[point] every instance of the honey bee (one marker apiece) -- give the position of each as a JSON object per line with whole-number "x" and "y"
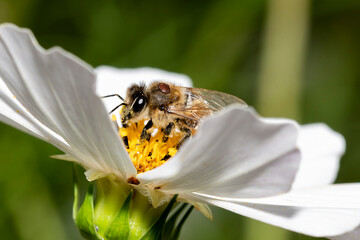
{"x": 170, "y": 107}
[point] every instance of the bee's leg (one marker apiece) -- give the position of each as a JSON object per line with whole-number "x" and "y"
{"x": 144, "y": 134}
{"x": 187, "y": 132}
{"x": 167, "y": 131}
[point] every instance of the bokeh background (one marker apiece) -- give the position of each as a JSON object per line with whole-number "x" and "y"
{"x": 297, "y": 59}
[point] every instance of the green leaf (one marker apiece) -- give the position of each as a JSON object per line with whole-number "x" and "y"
{"x": 156, "y": 230}
{"x": 176, "y": 232}
{"x": 119, "y": 229}
{"x": 85, "y": 217}
{"x": 169, "y": 225}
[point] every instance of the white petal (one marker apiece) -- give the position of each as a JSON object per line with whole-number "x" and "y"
{"x": 317, "y": 222}
{"x": 199, "y": 205}
{"x": 156, "y": 198}
{"x": 228, "y": 144}
{"x": 58, "y": 90}
{"x": 321, "y": 150}
{"x": 9, "y": 116}
{"x": 64, "y": 157}
{"x": 352, "y": 235}
{"x": 13, "y": 117}
{"x": 14, "y": 114}
{"x": 329, "y": 196}
{"x": 321, "y": 212}
{"x": 270, "y": 179}
{"x": 92, "y": 175}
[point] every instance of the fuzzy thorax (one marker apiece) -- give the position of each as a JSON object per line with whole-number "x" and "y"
{"x": 149, "y": 152}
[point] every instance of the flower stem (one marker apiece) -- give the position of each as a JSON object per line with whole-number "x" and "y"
{"x": 283, "y": 58}
{"x": 280, "y": 77}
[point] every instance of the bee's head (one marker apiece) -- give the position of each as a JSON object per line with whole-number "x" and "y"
{"x": 136, "y": 102}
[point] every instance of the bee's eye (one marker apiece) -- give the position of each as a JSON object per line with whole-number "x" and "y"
{"x": 140, "y": 103}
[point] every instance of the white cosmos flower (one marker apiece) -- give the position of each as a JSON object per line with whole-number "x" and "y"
{"x": 237, "y": 160}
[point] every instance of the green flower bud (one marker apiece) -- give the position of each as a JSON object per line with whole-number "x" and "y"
{"x": 116, "y": 211}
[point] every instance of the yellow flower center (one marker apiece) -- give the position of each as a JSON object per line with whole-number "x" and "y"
{"x": 152, "y": 151}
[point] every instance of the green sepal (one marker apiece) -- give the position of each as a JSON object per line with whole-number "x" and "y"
{"x": 169, "y": 225}
{"x": 119, "y": 229}
{"x": 156, "y": 229}
{"x": 176, "y": 232}
{"x": 85, "y": 217}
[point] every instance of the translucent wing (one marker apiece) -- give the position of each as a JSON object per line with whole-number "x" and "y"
{"x": 200, "y": 103}
{"x": 214, "y": 99}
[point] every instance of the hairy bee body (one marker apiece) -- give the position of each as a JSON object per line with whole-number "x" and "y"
{"x": 172, "y": 108}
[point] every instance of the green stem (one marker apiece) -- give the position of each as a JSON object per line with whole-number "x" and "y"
{"x": 280, "y": 77}
{"x": 282, "y": 59}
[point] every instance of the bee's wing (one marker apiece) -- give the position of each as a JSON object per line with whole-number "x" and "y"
{"x": 202, "y": 102}
{"x": 214, "y": 99}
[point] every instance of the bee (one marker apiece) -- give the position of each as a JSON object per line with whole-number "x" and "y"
{"x": 171, "y": 108}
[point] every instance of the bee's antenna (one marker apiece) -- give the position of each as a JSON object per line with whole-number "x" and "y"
{"x": 121, "y": 104}
{"x": 114, "y": 95}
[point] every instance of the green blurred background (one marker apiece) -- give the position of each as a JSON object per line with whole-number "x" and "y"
{"x": 297, "y": 59}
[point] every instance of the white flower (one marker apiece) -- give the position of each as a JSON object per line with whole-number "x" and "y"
{"x": 237, "y": 160}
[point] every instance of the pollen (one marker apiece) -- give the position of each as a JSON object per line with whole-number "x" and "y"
{"x": 148, "y": 150}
